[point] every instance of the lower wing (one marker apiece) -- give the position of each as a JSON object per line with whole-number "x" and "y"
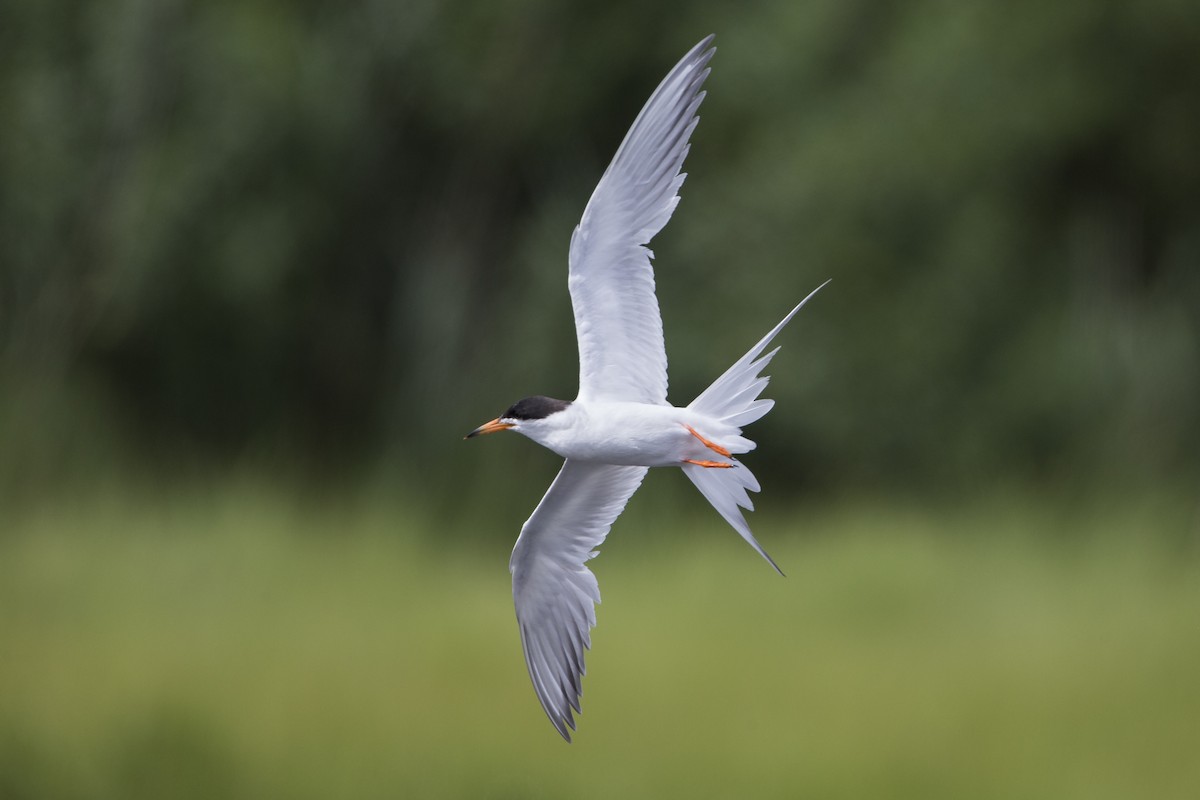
{"x": 554, "y": 592}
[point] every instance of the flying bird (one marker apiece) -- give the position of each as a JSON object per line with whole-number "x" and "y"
{"x": 621, "y": 424}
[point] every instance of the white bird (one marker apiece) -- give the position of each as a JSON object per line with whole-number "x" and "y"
{"x": 621, "y": 423}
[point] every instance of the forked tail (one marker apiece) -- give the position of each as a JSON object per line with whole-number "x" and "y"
{"x": 733, "y": 399}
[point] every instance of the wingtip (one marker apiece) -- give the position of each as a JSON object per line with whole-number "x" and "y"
{"x": 703, "y": 49}
{"x": 565, "y": 727}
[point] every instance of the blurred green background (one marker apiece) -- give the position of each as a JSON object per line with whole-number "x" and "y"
{"x": 262, "y": 264}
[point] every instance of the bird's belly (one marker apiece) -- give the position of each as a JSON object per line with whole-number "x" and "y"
{"x": 657, "y": 450}
{"x": 642, "y": 436}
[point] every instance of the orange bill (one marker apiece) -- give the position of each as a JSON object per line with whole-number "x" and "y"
{"x": 489, "y": 427}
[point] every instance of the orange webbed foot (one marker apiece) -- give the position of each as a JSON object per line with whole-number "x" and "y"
{"x": 709, "y": 464}
{"x": 716, "y": 448}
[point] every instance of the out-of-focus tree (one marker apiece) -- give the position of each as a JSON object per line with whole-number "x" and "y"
{"x": 338, "y": 232}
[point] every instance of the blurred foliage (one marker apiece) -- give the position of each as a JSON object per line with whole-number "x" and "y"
{"x": 323, "y": 241}
{"x": 227, "y": 646}
{"x": 335, "y": 235}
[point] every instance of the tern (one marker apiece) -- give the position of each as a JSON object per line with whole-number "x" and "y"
{"x": 621, "y": 424}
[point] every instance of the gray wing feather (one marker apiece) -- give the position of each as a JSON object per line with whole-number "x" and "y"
{"x": 554, "y": 592}
{"x": 621, "y": 351}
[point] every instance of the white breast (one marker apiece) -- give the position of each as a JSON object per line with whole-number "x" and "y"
{"x": 631, "y": 434}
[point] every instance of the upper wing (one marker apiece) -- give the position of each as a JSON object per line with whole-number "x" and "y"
{"x": 621, "y": 352}
{"x": 554, "y": 592}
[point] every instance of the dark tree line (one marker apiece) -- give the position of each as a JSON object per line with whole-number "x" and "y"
{"x": 337, "y": 233}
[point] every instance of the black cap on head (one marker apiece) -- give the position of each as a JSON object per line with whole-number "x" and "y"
{"x": 536, "y": 407}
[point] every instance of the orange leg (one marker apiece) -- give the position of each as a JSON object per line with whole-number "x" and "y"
{"x": 716, "y": 448}
{"x": 709, "y": 464}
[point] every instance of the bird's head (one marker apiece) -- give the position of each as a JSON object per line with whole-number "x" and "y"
{"x": 526, "y": 416}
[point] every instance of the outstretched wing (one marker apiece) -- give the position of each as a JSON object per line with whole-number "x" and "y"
{"x": 554, "y": 592}
{"x": 621, "y": 352}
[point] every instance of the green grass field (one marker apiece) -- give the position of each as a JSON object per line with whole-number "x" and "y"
{"x": 242, "y": 644}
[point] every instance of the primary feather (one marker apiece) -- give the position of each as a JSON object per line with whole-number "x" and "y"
{"x": 621, "y": 352}
{"x": 554, "y": 592}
